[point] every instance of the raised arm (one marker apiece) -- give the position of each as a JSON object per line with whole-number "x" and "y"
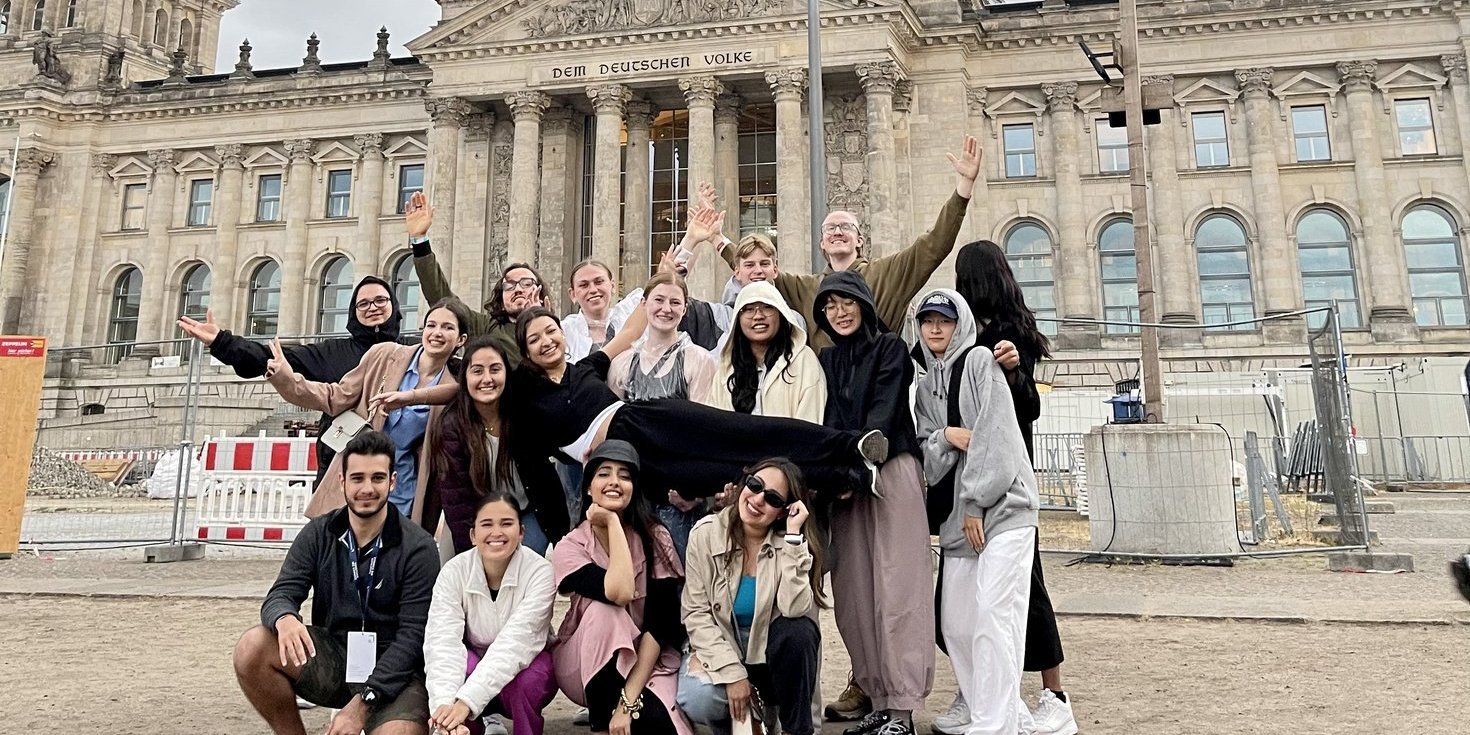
{"x": 330, "y": 398}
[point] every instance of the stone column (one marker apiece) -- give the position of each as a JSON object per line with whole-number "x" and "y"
{"x": 878, "y": 80}
{"x": 637, "y": 207}
{"x": 1383, "y": 261}
{"x": 1276, "y": 269}
{"x": 81, "y": 313}
{"x": 977, "y": 220}
{"x": 608, "y": 102}
{"x": 700, "y": 93}
{"x": 557, "y": 247}
{"x": 1454, "y": 68}
{"x": 727, "y": 160}
{"x": 21, "y": 223}
{"x": 448, "y": 116}
{"x": 228, "y": 203}
{"x": 297, "y": 209}
{"x": 1173, "y": 262}
{"x": 793, "y": 208}
{"x": 161, "y": 192}
{"x": 526, "y": 109}
{"x": 370, "y": 203}
{"x": 1077, "y": 267}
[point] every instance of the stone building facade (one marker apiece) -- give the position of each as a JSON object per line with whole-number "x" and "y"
{"x": 1312, "y": 152}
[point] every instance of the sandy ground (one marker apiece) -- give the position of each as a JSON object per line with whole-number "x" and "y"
{"x": 163, "y": 666}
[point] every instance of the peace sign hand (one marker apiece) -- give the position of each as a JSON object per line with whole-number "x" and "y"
{"x": 206, "y": 331}
{"x": 278, "y": 365}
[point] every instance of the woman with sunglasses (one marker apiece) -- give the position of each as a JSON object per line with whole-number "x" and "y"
{"x": 617, "y": 650}
{"x": 751, "y": 591}
{"x": 569, "y": 409}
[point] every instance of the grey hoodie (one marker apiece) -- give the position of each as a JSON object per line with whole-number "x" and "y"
{"x": 993, "y": 480}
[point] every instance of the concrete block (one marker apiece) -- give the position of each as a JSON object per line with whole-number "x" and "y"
{"x": 1329, "y": 536}
{"x": 166, "y": 553}
{"x": 1353, "y": 561}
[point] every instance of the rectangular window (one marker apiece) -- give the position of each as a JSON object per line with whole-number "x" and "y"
{"x": 268, "y": 199}
{"x": 339, "y": 193}
{"x": 201, "y": 201}
{"x": 757, "y": 169}
{"x": 134, "y": 205}
{"x": 1210, "y": 147}
{"x": 1309, "y": 129}
{"x": 1112, "y": 148}
{"x": 410, "y": 182}
{"x": 1020, "y": 150}
{"x": 1416, "y": 127}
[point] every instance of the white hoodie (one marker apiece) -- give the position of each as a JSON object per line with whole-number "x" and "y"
{"x": 796, "y": 389}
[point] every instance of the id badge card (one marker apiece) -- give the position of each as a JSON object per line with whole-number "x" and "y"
{"x": 362, "y": 656}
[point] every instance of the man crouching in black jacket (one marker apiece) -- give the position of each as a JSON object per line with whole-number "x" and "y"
{"x": 371, "y": 574}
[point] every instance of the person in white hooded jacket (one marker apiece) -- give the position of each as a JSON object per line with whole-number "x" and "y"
{"x": 766, "y": 367}
{"x": 982, "y": 493}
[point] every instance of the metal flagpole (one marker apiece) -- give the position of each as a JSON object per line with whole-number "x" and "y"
{"x": 816, "y": 130}
{"x": 1153, "y": 384}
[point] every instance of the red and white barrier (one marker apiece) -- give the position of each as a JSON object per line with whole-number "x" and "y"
{"x": 255, "y": 489}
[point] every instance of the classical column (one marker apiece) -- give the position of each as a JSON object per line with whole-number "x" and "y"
{"x": 20, "y": 224}
{"x": 297, "y": 209}
{"x": 1383, "y": 260}
{"x": 526, "y": 109}
{"x": 1076, "y": 261}
{"x": 558, "y": 247}
{"x": 637, "y": 207}
{"x": 80, "y": 315}
{"x": 878, "y": 80}
{"x": 1454, "y": 68}
{"x": 370, "y": 202}
{"x": 1173, "y": 271}
{"x": 727, "y": 159}
{"x": 793, "y": 208}
{"x": 442, "y": 176}
{"x": 700, "y": 93}
{"x": 228, "y": 204}
{"x": 608, "y": 102}
{"x": 977, "y": 221}
{"x": 1278, "y": 271}
{"x": 161, "y": 192}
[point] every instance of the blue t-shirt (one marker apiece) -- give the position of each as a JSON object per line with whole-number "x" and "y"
{"x": 405, "y": 427}
{"x": 744, "y": 608}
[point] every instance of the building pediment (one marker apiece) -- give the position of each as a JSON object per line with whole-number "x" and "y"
{"x": 522, "y": 21}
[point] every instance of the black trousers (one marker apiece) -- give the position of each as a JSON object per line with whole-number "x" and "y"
{"x": 602, "y": 698}
{"x": 698, "y": 449}
{"x": 789, "y": 675}
{"x": 1043, "y": 641}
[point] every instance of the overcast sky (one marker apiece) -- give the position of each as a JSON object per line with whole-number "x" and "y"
{"x": 347, "y": 28}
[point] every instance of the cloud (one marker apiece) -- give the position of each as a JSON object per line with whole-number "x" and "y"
{"x": 347, "y": 28}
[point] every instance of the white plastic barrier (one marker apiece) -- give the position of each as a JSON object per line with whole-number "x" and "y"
{"x": 255, "y": 489}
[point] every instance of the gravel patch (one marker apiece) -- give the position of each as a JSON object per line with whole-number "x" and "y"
{"x": 54, "y": 476}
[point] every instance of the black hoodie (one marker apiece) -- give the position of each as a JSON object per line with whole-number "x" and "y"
{"x": 325, "y": 361}
{"x": 868, "y": 372}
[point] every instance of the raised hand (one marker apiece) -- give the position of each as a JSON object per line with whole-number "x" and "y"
{"x": 206, "y": 331}
{"x": 966, "y": 166}
{"x": 708, "y": 197}
{"x": 705, "y": 224}
{"x": 278, "y": 362}
{"x": 418, "y": 215}
{"x": 796, "y": 517}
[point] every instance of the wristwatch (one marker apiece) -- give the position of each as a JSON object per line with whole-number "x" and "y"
{"x": 370, "y": 697}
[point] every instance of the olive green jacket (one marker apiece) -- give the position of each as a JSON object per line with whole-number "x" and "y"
{"x": 435, "y": 286}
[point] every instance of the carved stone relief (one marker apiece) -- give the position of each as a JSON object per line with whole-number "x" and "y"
{"x": 847, "y": 154}
{"x": 576, "y": 17}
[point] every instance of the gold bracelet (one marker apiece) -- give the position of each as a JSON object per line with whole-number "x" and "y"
{"x": 633, "y": 709}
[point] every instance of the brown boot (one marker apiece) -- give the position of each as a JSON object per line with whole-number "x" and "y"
{"x": 851, "y": 705}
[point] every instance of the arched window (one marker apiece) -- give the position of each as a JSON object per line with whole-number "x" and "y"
{"x": 4, "y": 203}
{"x": 1436, "y": 268}
{"x": 1224, "y": 271}
{"x": 194, "y": 292}
{"x": 38, "y": 15}
{"x": 1325, "y": 252}
{"x": 263, "y": 314}
{"x": 1028, "y": 249}
{"x": 122, "y": 323}
{"x": 160, "y": 28}
{"x": 4, "y": 17}
{"x": 1119, "y": 275}
{"x": 186, "y": 37}
{"x": 336, "y": 296}
{"x": 406, "y": 289}
{"x": 71, "y": 13}
{"x": 136, "y": 22}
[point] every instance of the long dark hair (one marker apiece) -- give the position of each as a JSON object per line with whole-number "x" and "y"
{"x": 735, "y": 528}
{"x": 744, "y": 381}
{"x": 497, "y": 302}
{"x": 985, "y": 280}
{"x": 462, "y": 419}
{"x": 453, "y": 306}
{"x": 638, "y": 515}
{"x": 523, "y": 325}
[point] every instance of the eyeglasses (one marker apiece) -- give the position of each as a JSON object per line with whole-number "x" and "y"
{"x": 839, "y": 306}
{"x": 525, "y": 283}
{"x": 374, "y": 303}
{"x": 832, "y": 228}
{"x": 772, "y": 498}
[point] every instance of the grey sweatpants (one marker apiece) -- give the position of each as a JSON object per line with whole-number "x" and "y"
{"x": 883, "y": 587}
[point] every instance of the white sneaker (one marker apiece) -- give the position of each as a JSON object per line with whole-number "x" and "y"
{"x": 1053, "y": 716}
{"x": 494, "y": 726}
{"x": 956, "y": 719}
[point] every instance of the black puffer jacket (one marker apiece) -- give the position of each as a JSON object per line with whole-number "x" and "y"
{"x": 868, "y": 372}
{"x": 323, "y": 362}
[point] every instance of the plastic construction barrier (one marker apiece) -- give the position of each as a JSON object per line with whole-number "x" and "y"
{"x": 255, "y": 489}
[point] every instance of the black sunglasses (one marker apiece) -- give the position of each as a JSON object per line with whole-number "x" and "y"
{"x": 771, "y": 497}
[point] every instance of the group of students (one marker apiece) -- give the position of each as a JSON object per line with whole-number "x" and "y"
{"x": 696, "y": 471}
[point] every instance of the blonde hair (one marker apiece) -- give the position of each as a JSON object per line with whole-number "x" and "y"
{"x": 752, "y": 242}
{"x": 665, "y": 279}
